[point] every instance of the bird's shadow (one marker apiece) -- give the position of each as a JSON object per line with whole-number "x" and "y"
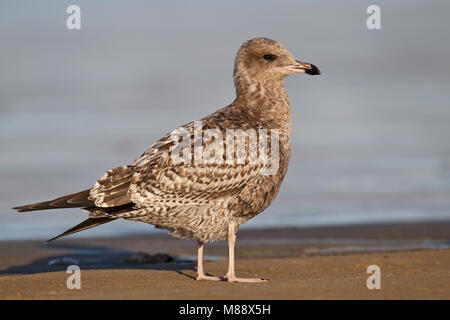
{"x": 101, "y": 258}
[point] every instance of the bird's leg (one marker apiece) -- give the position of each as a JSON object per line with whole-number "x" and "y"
{"x": 231, "y": 276}
{"x": 200, "y": 274}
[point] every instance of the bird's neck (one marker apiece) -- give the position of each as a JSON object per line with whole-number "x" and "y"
{"x": 265, "y": 99}
{"x": 266, "y": 104}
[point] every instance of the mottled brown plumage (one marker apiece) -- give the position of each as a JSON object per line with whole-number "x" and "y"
{"x": 204, "y": 201}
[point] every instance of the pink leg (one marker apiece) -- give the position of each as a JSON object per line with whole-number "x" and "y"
{"x": 231, "y": 276}
{"x": 200, "y": 274}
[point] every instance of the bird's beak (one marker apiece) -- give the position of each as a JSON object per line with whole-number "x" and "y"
{"x": 303, "y": 67}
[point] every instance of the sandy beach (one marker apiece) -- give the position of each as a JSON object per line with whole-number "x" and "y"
{"x": 312, "y": 263}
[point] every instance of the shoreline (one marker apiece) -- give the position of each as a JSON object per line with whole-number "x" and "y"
{"x": 308, "y": 263}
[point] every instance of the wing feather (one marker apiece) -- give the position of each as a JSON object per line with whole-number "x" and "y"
{"x": 157, "y": 180}
{"x": 111, "y": 190}
{"x": 154, "y": 179}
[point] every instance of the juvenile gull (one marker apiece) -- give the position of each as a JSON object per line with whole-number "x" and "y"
{"x": 198, "y": 200}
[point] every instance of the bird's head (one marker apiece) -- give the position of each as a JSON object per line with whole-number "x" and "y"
{"x": 263, "y": 58}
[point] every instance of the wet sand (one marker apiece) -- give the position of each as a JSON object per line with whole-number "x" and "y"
{"x": 312, "y": 263}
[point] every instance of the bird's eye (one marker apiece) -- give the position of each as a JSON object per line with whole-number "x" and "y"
{"x": 269, "y": 57}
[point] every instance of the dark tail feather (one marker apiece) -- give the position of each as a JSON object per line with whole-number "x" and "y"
{"x": 74, "y": 200}
{"x": 86, "y": 224}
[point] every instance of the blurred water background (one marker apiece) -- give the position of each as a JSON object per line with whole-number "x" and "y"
{"x": 371, "y": 136}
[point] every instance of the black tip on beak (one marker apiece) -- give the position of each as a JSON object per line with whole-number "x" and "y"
{"x": 313, "y": 71}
